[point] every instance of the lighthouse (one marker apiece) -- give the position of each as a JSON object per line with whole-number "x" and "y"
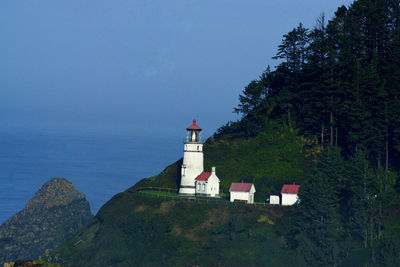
{"x": 192, "y": 165}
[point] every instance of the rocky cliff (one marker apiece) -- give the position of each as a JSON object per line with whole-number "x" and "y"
{"x": 53, "y": 215}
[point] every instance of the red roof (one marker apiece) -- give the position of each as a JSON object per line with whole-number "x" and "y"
{"x": 290, "y": 188}
{"x": 240, "y": 187}
{"x": 203, "y": 176}
{"x": 194, "y": 126}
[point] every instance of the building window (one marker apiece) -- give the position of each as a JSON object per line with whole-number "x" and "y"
{"x": 204, "y": 187}
{"x": 183, "y": 170}
{"x": 197, "y": 148}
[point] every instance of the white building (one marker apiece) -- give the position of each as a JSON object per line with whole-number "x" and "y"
{"x": 274, "y": 200}
{"x": 242, "y": 192}
{"x": 289, "y": 194}
{"x": 192, "y": 165}
{"x": 207, "y": 184}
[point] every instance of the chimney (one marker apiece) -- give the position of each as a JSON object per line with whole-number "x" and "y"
{"x": 212, "y": 170}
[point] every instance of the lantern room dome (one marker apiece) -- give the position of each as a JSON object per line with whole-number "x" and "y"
{"x": 194, "y": 126}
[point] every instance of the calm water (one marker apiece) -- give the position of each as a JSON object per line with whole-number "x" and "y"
{"x": 99, "y": 166}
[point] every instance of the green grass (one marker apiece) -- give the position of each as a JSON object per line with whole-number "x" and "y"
{"x": 159, "y": 193}
{"x": 162, "y": 194}
{"x": 132, "y": 230}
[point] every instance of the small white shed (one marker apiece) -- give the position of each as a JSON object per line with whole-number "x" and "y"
{"x": 242, "y": 192}
{"x": 289, "y": 194}
{"x": 274, "y": 200}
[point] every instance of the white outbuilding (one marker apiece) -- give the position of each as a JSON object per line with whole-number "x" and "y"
{"x": 242, "y": 192}
{"x": 274, "y": 200}
{"x": 289, "y": 194}
{"x": 207, "y": 184}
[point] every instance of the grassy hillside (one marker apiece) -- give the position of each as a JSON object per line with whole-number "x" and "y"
{"x": 168, "y": 178}
{"x": 134, "y": 230}
{"x": 275, "y": 156}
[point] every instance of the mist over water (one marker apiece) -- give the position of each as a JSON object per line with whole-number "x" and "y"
{"x": 98, "y": 165}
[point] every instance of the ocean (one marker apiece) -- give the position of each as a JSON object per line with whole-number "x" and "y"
{"x": 99, "y": 165}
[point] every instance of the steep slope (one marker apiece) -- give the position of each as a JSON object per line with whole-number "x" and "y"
{"x": 135, "y": 230}
{"x": 53, "y": 215}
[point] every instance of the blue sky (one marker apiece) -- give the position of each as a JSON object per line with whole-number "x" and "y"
{"x": 137, "y": 67}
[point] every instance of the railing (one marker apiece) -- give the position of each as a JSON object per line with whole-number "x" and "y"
{"x": 159, "y": 189}
{"x": 198, "y": 199}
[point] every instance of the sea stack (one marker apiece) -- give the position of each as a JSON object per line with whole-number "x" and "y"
{"x": 54, "y": 214}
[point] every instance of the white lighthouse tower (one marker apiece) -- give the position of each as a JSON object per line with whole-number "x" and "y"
{"x": 192, "y": 159}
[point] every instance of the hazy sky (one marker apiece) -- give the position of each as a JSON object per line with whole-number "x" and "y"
{"x": 137, "y": 66}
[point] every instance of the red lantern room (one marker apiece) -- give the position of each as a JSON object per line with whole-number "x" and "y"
{"x": 193, "y": 134}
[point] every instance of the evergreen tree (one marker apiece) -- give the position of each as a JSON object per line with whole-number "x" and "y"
{"x": 293, "y": 52}
{"x": 318, "y": 87}
{"x": 293, "y": 49}
{"x": 318, "y": 227}
{"x": 362, "y": 190}
{"x": 252, "y": 98}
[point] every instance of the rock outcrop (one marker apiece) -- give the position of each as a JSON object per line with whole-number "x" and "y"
{"x": 54, "y": 214}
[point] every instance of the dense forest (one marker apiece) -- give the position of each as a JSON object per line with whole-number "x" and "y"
{"x": 339, "y": 84}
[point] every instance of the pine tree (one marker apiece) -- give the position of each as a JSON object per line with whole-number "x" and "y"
{"x": 252, "y": 98}
{"x": 362, "y": 190}
{"x": 293, "y": 48}
{"x": 318, "y": 227}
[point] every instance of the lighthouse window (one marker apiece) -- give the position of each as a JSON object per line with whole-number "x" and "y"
{"x": 193, "y": 136}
